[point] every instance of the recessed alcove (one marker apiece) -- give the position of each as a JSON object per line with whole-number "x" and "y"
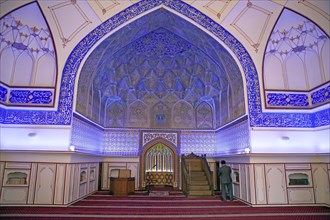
{"x": 83, "y": 176}
{"x": 298, "y": 179}
{"x": 162, "y": 74}
{"x": 16, "y": 178}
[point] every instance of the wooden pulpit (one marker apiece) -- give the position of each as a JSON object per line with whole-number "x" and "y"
{"x": 121, "y": 182}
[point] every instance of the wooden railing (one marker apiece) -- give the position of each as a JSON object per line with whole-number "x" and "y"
{"x": 185, "y": 177}
{"x": 188, "y": 165}
{"x": 208, "y": 173}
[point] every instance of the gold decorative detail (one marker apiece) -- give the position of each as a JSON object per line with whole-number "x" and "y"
{"x": 250, "y": 6}
{"x": 215, "y": 9}
{"x": 66, "y": 39}
{"x": 107, "y": 7}
{"x": 315, "y": 8}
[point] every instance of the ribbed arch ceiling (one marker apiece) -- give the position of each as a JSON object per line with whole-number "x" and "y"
{"x": 157, "y": 61}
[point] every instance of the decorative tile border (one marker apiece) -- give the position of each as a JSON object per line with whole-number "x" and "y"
{"x": 63, "y": 115}
{"x": 3, "y": 93}
{"x": 30, "y": 97}
{"x": 279, "y": 99}
{"x": 321, "y": 96}
{"x": 149, "y": 136}
{"x": 282, "y": 99}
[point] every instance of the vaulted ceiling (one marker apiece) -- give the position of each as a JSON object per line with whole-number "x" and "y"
{"x": 167, "y": 65}
{"x": 164, "y": 64}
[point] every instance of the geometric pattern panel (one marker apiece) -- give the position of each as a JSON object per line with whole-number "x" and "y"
{"x": 85, "y": 136}
{"x": 198, "y": 143}
{"x": 183, "y": 115}
{"x": 257, "y": 118}
{"x": 121, "y": 143}
{"x": 149, "y": 136}
{"x": 26, "y": 97}
{"x": 234, "y": 139}
{"x": 116, "y": 113}
{"x": 204, "y": 116}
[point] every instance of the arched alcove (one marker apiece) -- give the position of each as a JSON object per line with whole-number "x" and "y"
{"x": 160, "y": 63}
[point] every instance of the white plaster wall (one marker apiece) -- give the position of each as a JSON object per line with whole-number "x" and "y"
{"x": 279, "y": 140}
{"x": 18, "y": 137}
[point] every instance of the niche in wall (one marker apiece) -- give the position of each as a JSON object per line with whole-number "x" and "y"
{"x": 83, "y": 176}
{"x": 16, "y": 178}
{"x": 235, "y": 177}
{"x": 298, "y": 179}
{"x": 92, "y": 174}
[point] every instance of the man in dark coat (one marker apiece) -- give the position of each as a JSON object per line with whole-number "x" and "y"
{"x": 226, "y": 181}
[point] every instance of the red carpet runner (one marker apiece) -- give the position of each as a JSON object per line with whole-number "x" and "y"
{"x": 163, "y": 206}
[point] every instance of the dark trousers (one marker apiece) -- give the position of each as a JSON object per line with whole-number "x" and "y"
{"x": 227, "y": 187}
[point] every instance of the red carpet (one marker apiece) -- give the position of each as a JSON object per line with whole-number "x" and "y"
{"x": 174, "y": 206}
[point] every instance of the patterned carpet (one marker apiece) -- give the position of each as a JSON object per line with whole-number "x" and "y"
{"x": 170, "y": 205}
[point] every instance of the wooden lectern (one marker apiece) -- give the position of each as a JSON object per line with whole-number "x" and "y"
{"x": 121, "y": 182}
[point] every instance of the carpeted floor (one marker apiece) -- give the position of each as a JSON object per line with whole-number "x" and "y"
{"x": 169, "y": 205}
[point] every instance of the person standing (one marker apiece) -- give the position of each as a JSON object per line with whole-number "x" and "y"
{"x": 226, "y": 181}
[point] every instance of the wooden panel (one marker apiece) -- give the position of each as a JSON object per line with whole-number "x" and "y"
{"x": 18, "y": 165}
{"x": 45, "y": 183}
{"x": 14, "y": 195}
{"x": 2, "y": 171}
{"x": 260, "y": 190}
{"x": 236, "y": 190}
{"x": 33, "y": 180}
{"x": 82, "y": 189}
{"x": 193, "y": 164}
{"x": 247, "y": 182}
{"x": 68, "y": 184}
{"x": 135, "y": 172}
{"x": 121, "y": 186}
{"x": 276, "y": 184}
{"x": 76, "y": 182}
{"x": 243, "y": 181}
{"x": 92, "y": 185}
{"x": 105, "y": 176}
{"x": 321, "y": 183}
{"x": 59, "y": 184}
{"x": 301, "y": 195}
{"x": 252, "y": 184}
{"x": 303, "y": 166}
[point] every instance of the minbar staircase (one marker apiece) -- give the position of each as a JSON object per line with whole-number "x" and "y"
{"x": 197, "y": 181}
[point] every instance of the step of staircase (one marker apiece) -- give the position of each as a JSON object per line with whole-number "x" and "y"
{"x": 194, "y": 178}
{"x": 200, "y": 193}
{"x": 198, "y": 182}
{"x": 197, "y": 173}
{"x": 199, "y": 187}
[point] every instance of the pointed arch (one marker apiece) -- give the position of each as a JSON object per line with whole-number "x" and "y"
{"x": 143, "y": 157}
